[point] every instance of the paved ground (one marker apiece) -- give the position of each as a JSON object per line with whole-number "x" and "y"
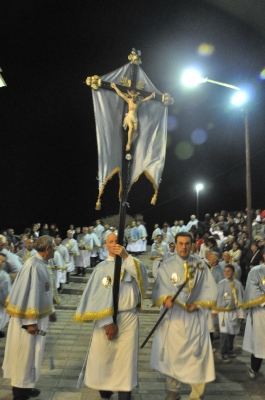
{"x": 68, "y": 342}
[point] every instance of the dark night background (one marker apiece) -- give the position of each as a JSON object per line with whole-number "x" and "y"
{"x": 48, "y": 141}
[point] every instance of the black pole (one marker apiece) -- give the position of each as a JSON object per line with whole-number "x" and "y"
{"x": 164, "y": 313}
{"x": 123, "y": 204}
{"x": 124, "y": 192}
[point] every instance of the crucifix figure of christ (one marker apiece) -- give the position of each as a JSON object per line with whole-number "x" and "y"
{"x": 131, "y": 119}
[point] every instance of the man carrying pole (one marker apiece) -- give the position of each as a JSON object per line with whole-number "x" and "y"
{"x": 113, "y": 355}
{"x": 181, "y": 348}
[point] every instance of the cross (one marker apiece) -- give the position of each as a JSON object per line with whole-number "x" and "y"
{"x": 95, "y": 82}
{"x": 126, "y": 83}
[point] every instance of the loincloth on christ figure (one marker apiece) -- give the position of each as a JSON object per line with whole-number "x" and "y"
{"x": 127, "y": 117}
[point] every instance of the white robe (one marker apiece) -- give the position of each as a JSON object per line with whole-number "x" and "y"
{"x": 181, "y": 347}
{"x": 73, "y": 250}
{"x": 254, "y": 341}
{"x": 23, "y": 353}
{"x": 112, "y": 365}
{"x": 5, "y": 287}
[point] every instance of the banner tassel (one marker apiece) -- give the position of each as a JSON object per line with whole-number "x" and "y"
{"x": 98, "y": 205}
{"x": 153, "y": 201}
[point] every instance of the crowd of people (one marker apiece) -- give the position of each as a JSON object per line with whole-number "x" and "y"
{"x": 206, "y": 259}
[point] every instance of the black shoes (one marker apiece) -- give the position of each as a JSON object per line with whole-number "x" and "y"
{"x": 34, "y": 392}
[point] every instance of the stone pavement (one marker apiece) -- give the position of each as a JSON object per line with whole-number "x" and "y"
{"x": 68, "y": 341}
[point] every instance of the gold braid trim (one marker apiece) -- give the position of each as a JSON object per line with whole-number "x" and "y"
{"x": 151, "y": 179}
{"x": 154, "y": 257}
{"x": 223, "y": 308}
{"x": 202, "y": 304}
{"x": 205, "y": 304}
{"x": 115, "y": 171}
{"x": 139, "y": 278}
{"x": 87, "y": 247}
{"x": 93, "y": 316}
{"x": 160, "y": 301}
{"x": 27, "y": 313}
{"x": 254, "y": 303}
{"x": 13, "y": 276}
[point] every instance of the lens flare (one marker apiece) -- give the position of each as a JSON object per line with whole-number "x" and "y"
{"x": 262, "y": 74}
{"x": 206, "y": 49}
{"x": 184, "y": 150}
{"x": 239, "y": 98}
{"x": 172, "y": 123}
{"x": 199, "y": 136}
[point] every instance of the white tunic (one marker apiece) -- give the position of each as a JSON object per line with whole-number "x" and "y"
{"x": 181, "y": 360}
{"x": 112, "y": 365}
{"x": 254, "y": 333}
{"x": 23, "y": 353}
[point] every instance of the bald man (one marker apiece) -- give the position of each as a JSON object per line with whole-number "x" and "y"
{"x": 113, "y": 355}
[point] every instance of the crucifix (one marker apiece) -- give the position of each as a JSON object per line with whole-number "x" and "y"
{"x": 132, "y": 92}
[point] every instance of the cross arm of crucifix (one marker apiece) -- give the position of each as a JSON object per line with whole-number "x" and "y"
{"x": 96, "y": 83}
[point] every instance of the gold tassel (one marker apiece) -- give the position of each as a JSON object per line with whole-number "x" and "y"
{"x": 98, "y": 205}
{"x": 153, "y": 201}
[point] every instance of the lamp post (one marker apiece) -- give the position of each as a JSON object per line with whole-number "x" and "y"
{"x": 192, "y": 78}
{"x": 239, "y": 99}
{"x": 198, "y": 188}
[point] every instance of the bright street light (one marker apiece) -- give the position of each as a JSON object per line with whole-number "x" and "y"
{"x": 239, "y": 98}
{"x": 198, "y": 187}
{"x": 192, "y": 78}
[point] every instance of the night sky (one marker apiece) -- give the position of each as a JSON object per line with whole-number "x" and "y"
{"x": 48, "y": 140}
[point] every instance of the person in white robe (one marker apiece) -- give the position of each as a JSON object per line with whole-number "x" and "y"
{"x": 113, "y": 354}
{"x": 5, "y": 287}
{"x": 159, "y": 253}
{"x": 66, "y": 258}
{"x": 181, "y": 348}
{"x": 57, "y": 265}
{"x": 103, "y": 251}
{"x": 193, "y": 222}
{"x": 71, "y": 244}
{"x": 27, "y": 252}
{"x": 85, "y": 245}
{"x": 95, "y": 247}
{"x": 174, "y": 229}
{"x": 156, "y": 231}
{"x": 172, "y": 250}
{"x": 13, "y": 263}
{"x": 30, "y": 304}
{"x": 181, "y": 226}
{"x": 167, "y": 235}
{"x": 142, "y": 236}
{"x": 228, "y": 260}
{"x": 127, "y": 234}
{"x": 98, "y": 229}
{"x": 254, "y": 303}
{"x": 134, "y": 245}
{"x": 229, "y": 311}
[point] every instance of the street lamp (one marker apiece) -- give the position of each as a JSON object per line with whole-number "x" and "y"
{"x": 198, "y": 187}
{"x": 192, "y": 78}
{"x": 239, "y": 99}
